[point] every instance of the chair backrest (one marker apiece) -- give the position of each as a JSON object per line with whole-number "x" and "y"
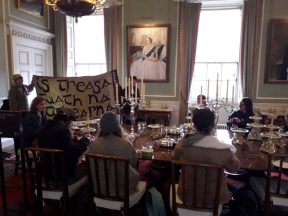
{"x": 201, "y": 186}
{"x": 11, "y": 124}
{"x": 109, "y": 177}
{"x": 50, "y": 168}
{"x": 277, "y": 180}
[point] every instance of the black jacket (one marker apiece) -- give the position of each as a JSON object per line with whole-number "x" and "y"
{"x": 56, "y": 135}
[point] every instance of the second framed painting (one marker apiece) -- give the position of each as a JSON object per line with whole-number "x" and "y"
{"x": 148, "y": 51}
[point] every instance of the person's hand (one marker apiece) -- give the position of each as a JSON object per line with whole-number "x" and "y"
{"x": 236, "y": 120}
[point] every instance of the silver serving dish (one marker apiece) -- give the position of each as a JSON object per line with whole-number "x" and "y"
{"x": 167, "y": 142}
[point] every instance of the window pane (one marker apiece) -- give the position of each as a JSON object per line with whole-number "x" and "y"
{"x": 217, "y": 53}
{"x": 219, "y": 36}
{"x": 89, "y": 39}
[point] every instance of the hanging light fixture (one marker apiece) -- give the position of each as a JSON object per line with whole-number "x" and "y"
{"x": 78, "y": 8}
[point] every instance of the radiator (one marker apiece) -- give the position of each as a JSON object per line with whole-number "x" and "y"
{"x": 222, "y": 126}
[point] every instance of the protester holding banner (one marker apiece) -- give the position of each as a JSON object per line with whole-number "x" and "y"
{"x": 18, "y": 94}
{"x": 34, "y": 120}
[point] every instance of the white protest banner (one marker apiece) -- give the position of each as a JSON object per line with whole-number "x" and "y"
{"x": 88, "y": 96}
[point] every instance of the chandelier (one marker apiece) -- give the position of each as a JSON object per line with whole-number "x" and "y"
{"x": 78, "y": 8}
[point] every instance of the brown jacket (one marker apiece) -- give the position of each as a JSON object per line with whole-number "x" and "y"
{"x": 206, "y": 149}
{"x": 117, "y": 146}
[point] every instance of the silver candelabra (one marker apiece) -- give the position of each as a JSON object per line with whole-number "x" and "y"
{"x": 133, "y": 102}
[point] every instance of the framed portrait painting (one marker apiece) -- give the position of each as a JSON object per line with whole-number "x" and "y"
{"x": 277, "y": 52}
{"x": 33, "y": 7}
{"x": 148, "y": 52}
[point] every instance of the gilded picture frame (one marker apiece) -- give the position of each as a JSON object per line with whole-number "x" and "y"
{"x": 148, "y": 52}
{"x": 33, "y": 7}
{"x": 276, "y": 70}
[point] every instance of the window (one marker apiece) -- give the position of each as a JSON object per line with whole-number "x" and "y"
{"x": 218, "y": 47}
{"x": 86, "y": 48}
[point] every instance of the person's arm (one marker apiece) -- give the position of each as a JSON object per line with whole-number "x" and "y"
{"x": 232, "y": 163}
{"x": 133, "y": 159}
{"x": 30, "y": 87}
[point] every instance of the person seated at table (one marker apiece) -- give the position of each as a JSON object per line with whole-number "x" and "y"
{"x": 203, "y": 147}
{"x": 56, "y": 135}
{"x": 111, "y": 141}
{"x": 201, "y": 100}
{"x": 241, "y": 117}
{"x": 34, "y": 121}
{"x": 126, "y": 110}
{"x": 285, "y": 126}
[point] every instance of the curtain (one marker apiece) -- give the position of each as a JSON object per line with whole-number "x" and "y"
{"x": 189, "y": 15}
{"x": 60, "y": 59}
{"x": 112, "y": 22}
{"x": 250, "y": 42}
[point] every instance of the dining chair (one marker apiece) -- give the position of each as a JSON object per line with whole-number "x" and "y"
{"x": 113, "y": 192}
{"x": 273, "y": 190}
{"x": 48, "y": 174}
{"x": 11, "y": 127}
{"x": 200, "y": 197}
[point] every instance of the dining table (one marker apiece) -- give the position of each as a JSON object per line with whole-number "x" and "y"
{"x": 249, "y": 153}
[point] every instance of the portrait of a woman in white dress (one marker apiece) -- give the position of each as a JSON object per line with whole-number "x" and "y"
{"x": 150, "y": 64}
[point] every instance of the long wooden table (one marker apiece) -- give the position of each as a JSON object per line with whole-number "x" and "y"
{"x": 248, "y": 153}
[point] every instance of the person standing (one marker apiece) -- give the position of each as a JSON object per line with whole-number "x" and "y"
{"x": 18, "y": 94}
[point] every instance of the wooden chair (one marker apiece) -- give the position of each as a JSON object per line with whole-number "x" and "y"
{"x": 273, "y": 189}
{"x": 197, "y": 195}
{"x": 11, "y": 127}
{"x": 50, "y": 177}
{"x": 110, "y": 194}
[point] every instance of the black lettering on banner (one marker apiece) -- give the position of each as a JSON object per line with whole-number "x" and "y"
{"x": 43, "y": 85}
{"x": 105, "y": 83}
{"x": 51, "y": 100}
{"x": 77, "y": 100}
{"x": 50, "y": 111}
{"x": 89, "y": 86}
{"x": 109, "y": 108}
{"x": 104, "y": 99}
{"x": 67, "y": 99}
{"x": 80, "y": 86}
{"x": 83, "y": 114}
{"x": 63, "y": 85}
{"x": 93, "y": 98}
{"x": 97, "y": 88}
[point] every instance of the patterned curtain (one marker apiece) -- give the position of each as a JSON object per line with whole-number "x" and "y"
{"x": 112, "y": 18}
{"x": 60, "y": 44}
{"x": 250, "y": 42}
{"x": 189, "y": 14}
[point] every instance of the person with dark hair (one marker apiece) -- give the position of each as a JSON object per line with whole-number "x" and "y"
{"x": 202, "y": 147}
{"x": 112, "y": 142}
{"x": 56, "y": 135}
{"x": 241, "y": 117}
{"x": 201, "y": 99}
{"x": 34, "y": 121}
{"x": 18, "y": 94}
